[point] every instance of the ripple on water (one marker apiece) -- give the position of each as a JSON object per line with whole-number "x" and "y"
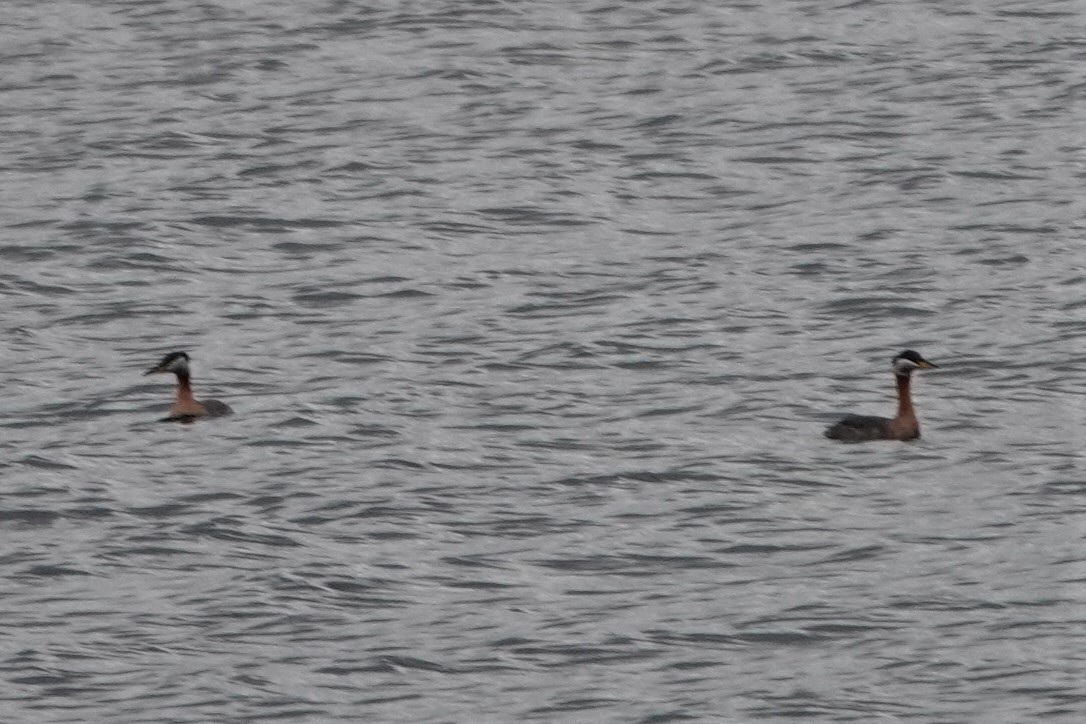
{"x": 533, "y": 321}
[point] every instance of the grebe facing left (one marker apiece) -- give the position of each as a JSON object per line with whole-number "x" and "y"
{"x": 186, "y": 408}
{"x": 904, "y": 426}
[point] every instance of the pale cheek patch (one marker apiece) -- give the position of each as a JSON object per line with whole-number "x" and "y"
{"x": 902, "y": 366}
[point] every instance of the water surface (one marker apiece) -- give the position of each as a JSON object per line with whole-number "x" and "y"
{"x": 532, "y": 315}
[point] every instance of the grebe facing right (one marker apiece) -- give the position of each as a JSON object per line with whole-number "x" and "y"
{"x": 186, "y": 408}
{"x": 905, "y": 426}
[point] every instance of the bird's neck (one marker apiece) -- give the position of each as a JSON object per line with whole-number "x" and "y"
{"x": 184, "y": 388}
{"x": 904, "y": 397}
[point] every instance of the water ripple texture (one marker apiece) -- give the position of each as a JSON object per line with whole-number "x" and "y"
{"x": 532, "y": 315}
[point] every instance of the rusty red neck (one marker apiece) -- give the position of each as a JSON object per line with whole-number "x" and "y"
{"x": 904, "y": 397}
{"x": 184, "y": 387}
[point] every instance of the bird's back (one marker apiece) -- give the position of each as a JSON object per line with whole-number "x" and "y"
{"x": 215, "y": 408}
{"x": 859, "y": 428}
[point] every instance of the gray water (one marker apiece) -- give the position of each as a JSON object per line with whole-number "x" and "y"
{"x": 532, "y": 314}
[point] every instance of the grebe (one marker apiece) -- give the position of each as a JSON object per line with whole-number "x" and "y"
{"x": 186, "y": 409}
{"x": 905, "y": 426}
